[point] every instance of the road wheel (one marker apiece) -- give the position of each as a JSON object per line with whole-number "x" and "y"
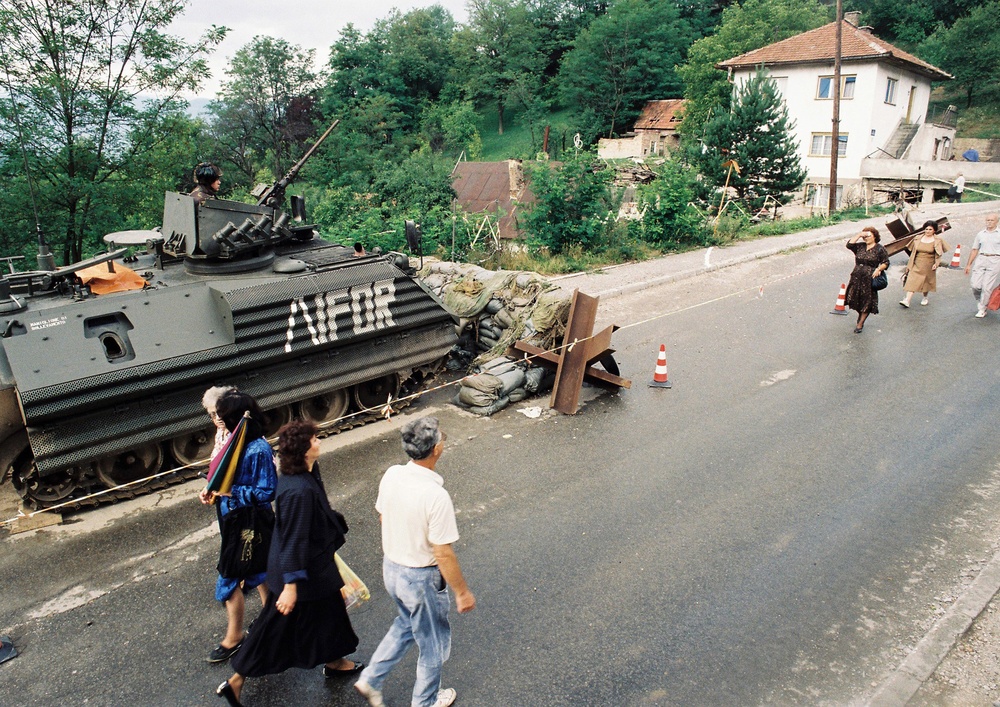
{"x": 325, "y": 407}
{"x": 373, "y": 394}
{"x": 42, "y": 490}
{"x": 194, "y": 446}
{"x": 130, "y": 465}
{"x": 275, "y": 419}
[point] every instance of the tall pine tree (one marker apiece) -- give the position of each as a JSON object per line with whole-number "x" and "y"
{"x": 757, "y": 134}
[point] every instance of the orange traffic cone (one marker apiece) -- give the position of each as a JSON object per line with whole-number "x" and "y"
{"x": 956, "y": 260}
{"x": 660, "y": 374}
{"x": 841, "y": 298}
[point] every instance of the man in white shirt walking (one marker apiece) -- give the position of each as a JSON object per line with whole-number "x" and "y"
{"x": 419, "y": 564}
{"x": 985, "y": 263}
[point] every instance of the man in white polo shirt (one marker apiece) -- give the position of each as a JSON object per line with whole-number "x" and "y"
{"x": 986, "y": 268}
{"x": 419, "y": 564}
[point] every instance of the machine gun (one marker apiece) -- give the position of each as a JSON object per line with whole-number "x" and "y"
{"x": 274, "y": 195}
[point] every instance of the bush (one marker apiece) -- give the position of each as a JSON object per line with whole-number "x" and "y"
{"x": 669, "y": 220}
{"x": 572, "y": 207}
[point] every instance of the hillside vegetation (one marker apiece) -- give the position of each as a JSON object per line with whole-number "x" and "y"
{"x": 91, "y": 147}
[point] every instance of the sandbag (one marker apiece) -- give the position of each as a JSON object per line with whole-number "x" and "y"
{"x": 517, "y": 395}
{"x": 475, "y": 398}
{"x": 493, "y": 306}
{"x": 498, "y": 366}
{"x": 487, "y": 342}
{"x": 503, "y": 319}
{"x": 511, "y": 380}
{"x": 487, "y": 410}
{"x": 538, "y": 379}
{"x": 484, "y": 382}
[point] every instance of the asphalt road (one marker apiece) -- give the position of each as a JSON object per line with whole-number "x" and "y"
{"x": 778, "y": 528}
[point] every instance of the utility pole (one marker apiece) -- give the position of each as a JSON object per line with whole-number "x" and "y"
{"x": 835, "y": 147}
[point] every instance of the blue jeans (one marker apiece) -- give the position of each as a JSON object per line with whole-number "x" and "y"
{"x": 421, "y": 597}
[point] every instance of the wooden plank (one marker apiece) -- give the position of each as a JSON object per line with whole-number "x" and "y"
{"x": 551, "y": 360}
{"x": 569, "y": 376}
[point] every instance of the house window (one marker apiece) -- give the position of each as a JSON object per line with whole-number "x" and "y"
{"x": 825, "y": 88}
{"x": 818, "y": 195}
{"x": 848, "y": 91}
{"x": 822, "y": 145}
{"x": 890, "y": 91}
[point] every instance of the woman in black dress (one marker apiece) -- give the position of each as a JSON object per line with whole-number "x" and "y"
{"x": 870, "y": 260}
{"x": 304, "y": 622}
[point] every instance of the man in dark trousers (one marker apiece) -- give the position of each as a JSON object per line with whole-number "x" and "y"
{"x": 419, "y": 564}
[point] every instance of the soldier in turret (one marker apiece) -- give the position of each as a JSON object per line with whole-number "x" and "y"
{"x": 209, "y": 179}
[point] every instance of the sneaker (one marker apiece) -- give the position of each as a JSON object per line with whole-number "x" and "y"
{"x": 923, "y": 302}
{"x": 446, "y": 697}
{"x": 981, "y": 313}
{"x": 904, "y": 303}
{"x": 373, "y": 696}
{"x": 221, "y": 654}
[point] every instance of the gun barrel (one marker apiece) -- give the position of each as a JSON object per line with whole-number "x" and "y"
{"x": 278, "y": 188}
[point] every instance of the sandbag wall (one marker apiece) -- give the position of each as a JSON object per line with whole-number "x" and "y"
{"x": 495, "y": 309}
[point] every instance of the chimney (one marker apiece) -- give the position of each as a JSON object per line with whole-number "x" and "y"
{"x": 853, "y": 17}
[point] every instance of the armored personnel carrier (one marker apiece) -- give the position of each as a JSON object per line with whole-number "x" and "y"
{"x": 99, "y": 390}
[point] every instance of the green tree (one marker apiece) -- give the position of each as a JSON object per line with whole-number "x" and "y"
{"x": 450, "y": 127}
{"x": 88, "y": 88}
{"x": 499, "y": 45}
{"x": 744, "y": 27}
{"x": 668, "y": 219}
{"x": 909, "y": 23}
{"x": 621, "y": 60}
{"x": 757, "y": 135}
{"x": 264, "y": 115}
{"x": 970, "y": 50}
{"x": 573, "y": 200}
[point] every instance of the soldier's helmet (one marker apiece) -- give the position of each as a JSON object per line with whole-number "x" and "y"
{"x": 206, "y": 173}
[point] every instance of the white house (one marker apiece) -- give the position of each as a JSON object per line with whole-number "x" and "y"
{"x": 883, "y": 111}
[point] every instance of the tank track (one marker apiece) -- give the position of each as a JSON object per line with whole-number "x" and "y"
{"x": 419, "y": 379}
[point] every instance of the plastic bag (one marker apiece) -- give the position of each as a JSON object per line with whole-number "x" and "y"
{"x": 354, "y": 590}
{"x": 994, "y": 303}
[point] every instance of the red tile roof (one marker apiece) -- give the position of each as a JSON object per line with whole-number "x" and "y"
{"x": 819, "y": 46}
{"x": 659, "y": 115}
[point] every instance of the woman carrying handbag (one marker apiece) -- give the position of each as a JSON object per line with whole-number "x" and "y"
{"x": 926, "y": 251}
{"x": 304, "y": 622}
{"x": 870, "y": 261}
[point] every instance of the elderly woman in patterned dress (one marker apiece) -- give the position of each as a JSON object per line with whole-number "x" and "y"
{"x": 870, "y": 261}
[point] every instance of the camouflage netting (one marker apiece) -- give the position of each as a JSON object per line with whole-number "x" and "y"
{"x": 495, "y": 310}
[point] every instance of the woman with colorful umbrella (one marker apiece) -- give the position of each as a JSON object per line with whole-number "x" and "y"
{"x": 242, "y": 476}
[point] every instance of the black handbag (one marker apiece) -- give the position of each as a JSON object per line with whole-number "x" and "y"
{"x": 880, "y": 281}
{"x": 246, "y": 540}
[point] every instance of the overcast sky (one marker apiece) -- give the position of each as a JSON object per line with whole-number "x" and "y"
{"x": 311, "y": 24}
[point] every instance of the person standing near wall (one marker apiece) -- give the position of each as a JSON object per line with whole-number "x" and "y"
{"x": 984, "y": 263}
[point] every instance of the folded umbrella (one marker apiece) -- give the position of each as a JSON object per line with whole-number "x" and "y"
{"x": 222, "y": 469}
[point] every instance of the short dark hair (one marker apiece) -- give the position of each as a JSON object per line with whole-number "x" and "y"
{"x": 874, "y": 231}
{"x": 231, "y": 407}
{"x": 420, "y": 436}
{"x": 358, "y": 248}
{"x": 294, "y": 440}
{"x": 929, "y": 224}
{"x": 206, "y": 173}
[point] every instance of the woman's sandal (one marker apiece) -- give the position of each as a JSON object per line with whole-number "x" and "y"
{"x": 335, "y": 673}
{"x": 225, "y": 691}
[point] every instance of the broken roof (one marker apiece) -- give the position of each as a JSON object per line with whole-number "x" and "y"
{"x": 659, "y": 115}
{"x": 819, "y": 46}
